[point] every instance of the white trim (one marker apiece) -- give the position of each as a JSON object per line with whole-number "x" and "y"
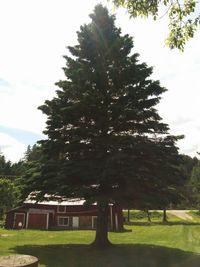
{"x": 62, "y": 217}
{"x": 116, "y": 221}
{"x": 27, "y": 218}
{"x": 39, "y": 211}
{"x": 47, "y": 221}
{"x": 111, "y": 217}
{"x": 93, "y": 217}
{"x": 19, "y": 213}
{"x": 58, "y": 211}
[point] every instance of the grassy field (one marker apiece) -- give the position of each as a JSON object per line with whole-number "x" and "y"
{"x": 176, "y": 244}
{"x": 156, "y": 216}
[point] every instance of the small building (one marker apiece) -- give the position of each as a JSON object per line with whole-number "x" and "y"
{"x": 54, "y": 215}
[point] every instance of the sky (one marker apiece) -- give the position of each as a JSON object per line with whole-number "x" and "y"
{"x": 34, "y": 37}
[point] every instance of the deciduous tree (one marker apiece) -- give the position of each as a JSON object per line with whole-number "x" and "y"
{"x": 184, "y": 16}
{"x": 195, "y": 185}
{"x": 9, "y": 195}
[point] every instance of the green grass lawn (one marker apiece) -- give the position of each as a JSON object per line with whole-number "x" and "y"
{"x": 176, "y": 244}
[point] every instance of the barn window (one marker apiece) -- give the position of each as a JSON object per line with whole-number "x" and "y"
{"x": 61, "y": 209}
{"x": 63, "y": 221}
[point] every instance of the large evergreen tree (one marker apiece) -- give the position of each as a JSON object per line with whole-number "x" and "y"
{"x": 104, "y": 132}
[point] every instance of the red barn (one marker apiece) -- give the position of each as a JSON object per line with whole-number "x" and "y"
{"x": 71, "y": 214}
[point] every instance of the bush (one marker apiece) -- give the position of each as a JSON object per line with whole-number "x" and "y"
{"x": 2, "y": 221}
{"x": 140, "y": 215}
{"x": 156, "y": 215}
{"x": 136, "y": 215}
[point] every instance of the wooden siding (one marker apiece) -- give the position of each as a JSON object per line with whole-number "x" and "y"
{"x": 37, "y": 221}
{"x": 19, "y": 220}
{"x": 85, "y": 222}
{"x": 43, "y": 216}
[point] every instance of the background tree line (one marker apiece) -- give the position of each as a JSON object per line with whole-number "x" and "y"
{"x": 13, "y": 190}
{"x": 12, "y": 175}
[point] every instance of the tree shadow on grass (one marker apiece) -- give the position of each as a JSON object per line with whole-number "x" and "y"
{"x": 161, "y": 223}
{"x": 114, "y": 256}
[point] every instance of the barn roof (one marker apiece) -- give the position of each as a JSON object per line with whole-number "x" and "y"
{"x": 71, "y": 202}
{"x": 21, "y": 208}
{"x": 57, "y": 200}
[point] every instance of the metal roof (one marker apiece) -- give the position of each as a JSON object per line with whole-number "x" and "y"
{"x": 71, "y": 202}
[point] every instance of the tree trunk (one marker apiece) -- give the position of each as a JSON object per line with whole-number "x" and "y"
{"x": 148, "y": 216}
{"x": 101, "y": 239}
{"x": 128, "y": 215}
{"x": 164, "y": 215}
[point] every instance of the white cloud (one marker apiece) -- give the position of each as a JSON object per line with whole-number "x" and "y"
{"x": 18, "y": 107}
{"x": 11, "y": 148}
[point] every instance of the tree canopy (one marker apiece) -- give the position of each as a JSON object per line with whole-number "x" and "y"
{"x": 104, "y": 132}
{"x": 195, "y": 185}
{"x": 183, "y": 16}
{"x": 9, "y": 195}
{"x": 5, "y": 166}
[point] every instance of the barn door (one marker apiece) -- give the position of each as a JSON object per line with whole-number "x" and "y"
{"x": 75, "y": 222}
{"x": 19, "y": 220}
{"x": 37, "y": 221}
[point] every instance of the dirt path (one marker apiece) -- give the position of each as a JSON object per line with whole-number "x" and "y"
{"x": 182, "y": 214}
